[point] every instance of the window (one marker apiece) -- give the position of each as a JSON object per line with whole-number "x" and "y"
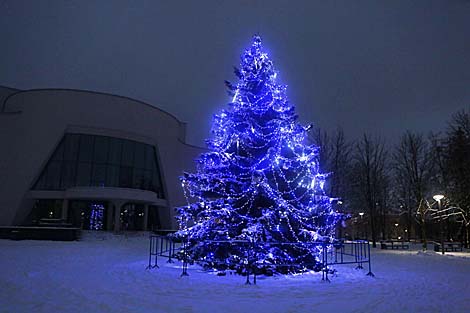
{"x": 68, "y": 174}
{"x": 53, "y": 175}
{"x": 98, "y": 177}
{"x": 46, "y": 209}
{"x": 71, "y": 147}
{"x": 89, "y": 160}
{"x": 86, "y": 148}
{"x": 127, "y": 153}
{"x": 115, "y": 148}
{"x": 125, "y": 177}
{"x": 83, "y": 174}
{"x": 139, "y": 156}
{"x": 139, "y": 179}
{"x": 112, "y": 175}
{"x": 100, "y": 154}
{"x": 149, "y": 158}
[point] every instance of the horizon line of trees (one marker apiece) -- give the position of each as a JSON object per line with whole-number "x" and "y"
{"x": 381, "y": 181}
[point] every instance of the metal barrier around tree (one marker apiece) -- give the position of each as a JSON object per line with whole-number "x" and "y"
{"x": 338, "y": 252}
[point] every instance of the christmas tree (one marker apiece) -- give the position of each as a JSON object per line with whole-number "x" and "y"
{"x": 259, "y": 183}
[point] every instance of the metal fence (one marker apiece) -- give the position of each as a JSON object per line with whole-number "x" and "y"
{"x": 331, "y": 253}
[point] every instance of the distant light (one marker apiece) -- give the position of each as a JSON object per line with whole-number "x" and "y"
{"x": 438, "y": 197}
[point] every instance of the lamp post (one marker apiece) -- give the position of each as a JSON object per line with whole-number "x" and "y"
{"x": 339, "y": 227}
{"x": 438, "y": 198}
{"x": 361, "y": 214}
{"x": 396, "y": 231}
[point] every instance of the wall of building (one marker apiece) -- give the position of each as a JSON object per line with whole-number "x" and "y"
{"x": 33, "y": 122}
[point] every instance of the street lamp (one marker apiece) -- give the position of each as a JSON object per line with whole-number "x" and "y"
{"x": 438, "y": 198}
{"x": 339, "y": 227}
{"x": 361, "y": 214}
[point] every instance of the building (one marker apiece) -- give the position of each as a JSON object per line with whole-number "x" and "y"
{"x": 92, "y": 160}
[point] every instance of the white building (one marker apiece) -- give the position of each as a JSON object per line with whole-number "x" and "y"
{"x": 93, "y": 160}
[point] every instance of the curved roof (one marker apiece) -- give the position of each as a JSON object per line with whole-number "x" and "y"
{"x": 7, "y": 93}
{"x": 14, "y": 92}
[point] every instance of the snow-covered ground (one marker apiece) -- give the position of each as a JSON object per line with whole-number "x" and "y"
{"x": 106, "y": 273}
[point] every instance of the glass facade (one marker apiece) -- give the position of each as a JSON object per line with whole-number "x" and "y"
{"x": 89, "y": 160}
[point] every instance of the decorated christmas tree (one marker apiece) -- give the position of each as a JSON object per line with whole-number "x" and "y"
{"x": 260, "y": 183}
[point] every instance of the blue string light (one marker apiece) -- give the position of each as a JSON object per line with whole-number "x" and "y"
{"x": 260, "y": 181}
{"x": 97, "y": 217}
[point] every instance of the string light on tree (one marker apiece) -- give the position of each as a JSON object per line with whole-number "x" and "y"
{"x": 259, "y": 182}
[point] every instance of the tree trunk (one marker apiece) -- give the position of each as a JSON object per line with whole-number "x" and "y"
{"x": 410, "y": 216}
{"x": 423, "y": 236}
{"x": 373, "y": 230}
{"x": 384, "y": 226}
{"x": 467, "y": 231}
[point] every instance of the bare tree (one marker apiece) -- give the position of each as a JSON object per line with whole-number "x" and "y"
{"x": 463, "y": 217}
{"x": 422, "y": 216}
{"x": 335, "y": 158}
{"x": 456, "y": 167}
{"x": 413, "y": 169}
{"x": 321, "y": 138}
{"x": 371, "y": 177}
{"x": 460, "y": 121}
{"x": 340, "y": 163}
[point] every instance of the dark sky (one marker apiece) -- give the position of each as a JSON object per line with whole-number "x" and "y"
{"x": 370, "y": 66}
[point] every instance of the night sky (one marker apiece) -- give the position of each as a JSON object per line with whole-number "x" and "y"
{"x": 369, "y": 66}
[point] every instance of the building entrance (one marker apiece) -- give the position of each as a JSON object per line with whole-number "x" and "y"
{"x": 132, "y": 217}
{"x": 88, "y": 215}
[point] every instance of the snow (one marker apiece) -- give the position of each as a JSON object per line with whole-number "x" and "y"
{"x": 106, "y": 273}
